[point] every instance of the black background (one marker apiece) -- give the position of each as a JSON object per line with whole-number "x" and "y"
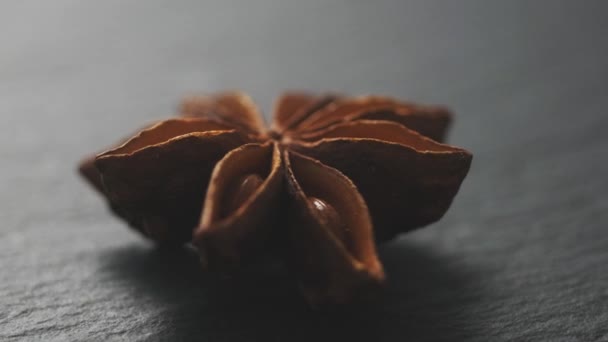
{"x": 521, "y": 255}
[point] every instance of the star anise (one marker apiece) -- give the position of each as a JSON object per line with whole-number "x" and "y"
{"x": 332, "y": 176}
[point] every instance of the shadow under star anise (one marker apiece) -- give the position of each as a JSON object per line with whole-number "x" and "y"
{"x": 426, "y": 299}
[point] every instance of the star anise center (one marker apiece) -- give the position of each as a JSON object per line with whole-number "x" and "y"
{"x": 274, "y": 135}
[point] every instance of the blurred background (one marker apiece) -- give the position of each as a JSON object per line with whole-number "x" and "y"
{"x": 521, "y": 255}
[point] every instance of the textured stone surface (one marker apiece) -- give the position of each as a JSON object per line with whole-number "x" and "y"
{"x": 521, "y": 255}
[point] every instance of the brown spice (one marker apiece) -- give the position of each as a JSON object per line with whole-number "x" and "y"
{"x": 332, "y": 176}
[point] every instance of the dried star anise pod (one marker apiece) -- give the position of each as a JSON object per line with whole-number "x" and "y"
{"x": 330, "y": 178}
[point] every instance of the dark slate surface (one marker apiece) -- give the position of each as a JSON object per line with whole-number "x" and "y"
{"x": 522, "y": 255}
